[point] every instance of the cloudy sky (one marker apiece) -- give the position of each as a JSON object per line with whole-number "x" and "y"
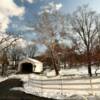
{"x": 20, "y": 15}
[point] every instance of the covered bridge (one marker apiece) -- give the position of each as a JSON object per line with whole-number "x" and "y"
{"x": 29, "y": 65}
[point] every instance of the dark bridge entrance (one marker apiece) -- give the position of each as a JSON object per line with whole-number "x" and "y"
{"x": 26, "y": 68}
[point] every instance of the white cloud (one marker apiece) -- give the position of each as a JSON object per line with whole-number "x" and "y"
{"x": 58, "y": 6}
{"x": 8, "y": 8}
{"x": 26, "y": 28}
{"x": 51, "y": 7}
{"x": 22, "y": 43}
{"x": 10, "y": 39}
{"x": 30, "y": 1}
{"x": 4, "y": 21}
{"x": 54, "y": 6}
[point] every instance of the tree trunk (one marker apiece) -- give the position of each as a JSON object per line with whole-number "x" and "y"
{"x": 65, "y": 65}
{"x": 54, "y": 63}
{"x": 65, "y": 60}
{"x": 89, "y": 70}
{"x": 89, "y": 62}
{"x": 4, "y": 69}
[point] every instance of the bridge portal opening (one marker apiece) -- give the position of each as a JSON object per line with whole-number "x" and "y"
{"x": 26, "y": 68}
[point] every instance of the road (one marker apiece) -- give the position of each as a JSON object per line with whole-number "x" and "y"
{"x": 7, "y": 94}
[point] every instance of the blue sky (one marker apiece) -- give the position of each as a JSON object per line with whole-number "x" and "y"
{"x": 19, "y": 16}
{"x": 70, "y": 5}
{"x": 31, "y": 10}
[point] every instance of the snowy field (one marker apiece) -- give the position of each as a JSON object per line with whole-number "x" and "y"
{"x": 71, "y": 83}
{"x": 68, "y": 83}
{"x": 67, "y": 88}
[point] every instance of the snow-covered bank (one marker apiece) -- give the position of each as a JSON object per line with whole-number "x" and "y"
{"x": 3, "y": 78}
{"x": 60, "y": 96}
{"x": 62, "y": 87}
{"x": 70, "y": 84}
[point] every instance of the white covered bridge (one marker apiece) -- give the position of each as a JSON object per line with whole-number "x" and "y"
{"x": 29, "y": 65}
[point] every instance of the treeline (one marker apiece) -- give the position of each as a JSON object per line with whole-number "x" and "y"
{"x": 54, "y": 30}
{"x": 12, "y": 52}
{"x": 69, "y": 58}
{"x": 81, "y": 28}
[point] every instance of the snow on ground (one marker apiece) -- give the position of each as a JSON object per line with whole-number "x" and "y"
{"x": 23, "y": 77}
{"x": 79, "y": 71}
{"x": 3, "y": 78}
{"x": 60, "y": 94}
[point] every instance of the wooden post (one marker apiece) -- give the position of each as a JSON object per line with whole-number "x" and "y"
{"x": 91, "y": 86}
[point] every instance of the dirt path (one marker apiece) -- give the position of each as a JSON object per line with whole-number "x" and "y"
{"x": 7, "y": 94}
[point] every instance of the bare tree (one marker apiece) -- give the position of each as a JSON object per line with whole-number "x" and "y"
{"x": 47, "y": 27}
{"x": 52, "y": 28}
{"x": 85, "y": 24}
{"x": 7, "y": 39}
{"x": 4, "y": 61}
{"x": 31, "y": 50}
{"x": 16, "y": 54}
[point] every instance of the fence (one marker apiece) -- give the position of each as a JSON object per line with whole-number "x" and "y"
{"x": 65, "y": 86}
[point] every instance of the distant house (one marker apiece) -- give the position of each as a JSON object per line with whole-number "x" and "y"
{"x": 29, "y": 65}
